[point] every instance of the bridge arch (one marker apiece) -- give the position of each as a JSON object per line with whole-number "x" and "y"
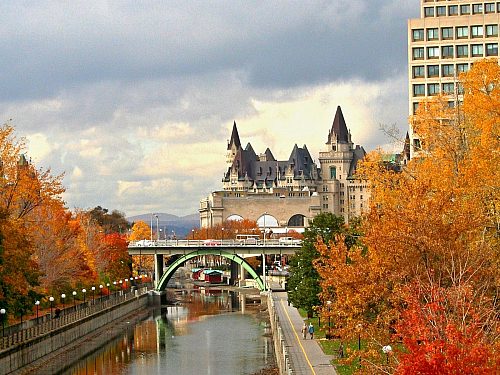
{"x": 162, "y": 284}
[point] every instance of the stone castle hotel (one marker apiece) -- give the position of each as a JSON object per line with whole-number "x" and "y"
{"x": 286, "y": 194}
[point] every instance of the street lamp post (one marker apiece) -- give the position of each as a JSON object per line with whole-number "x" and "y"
{"x": 51, "y": 299}
{"x": 74, "y": 298}
{"x": 152, "y": 226}
{"x": 63, "y": 298}
{"x": 84, "y": 291}
{"x": 2, "y": 312}
{"x": 37, "y": 304}
{"x": 359, "y": 326}
{"x": 157, "y": 226}
{"x": 328, "y": 303}
{"x": 222, "y": 235}
{"x": 93, "y": 291}
{"x": 387, "y": 350}
{"x": 100, "y": 287}
{"x": 192, "y": 234}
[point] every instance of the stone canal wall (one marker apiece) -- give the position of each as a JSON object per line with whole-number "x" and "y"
{"x": 43, "y": 339}
{"x": 280, "y": 350}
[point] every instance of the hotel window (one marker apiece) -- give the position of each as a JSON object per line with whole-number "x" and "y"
{"x": 433, "y": 34}
{"x": 433, "y": 52}
{"x": 415, "y": 107}
{"x": 448, "y": 70}
{"x": 447, "y": 52}
{"x": 447, "y": 32}
{"x": 498, "y": 7}
{"x": 489, "y": 8}
{"x": 433, "y": 88}
{"x": 464, "y": 9}
{"x": 462, "y": 32}
{"x": 441, "y": 11}
{"x": 418, "y": 72}
{"x": 477, "y": 8}
{"x": 476, "y": 31}
{"x": 492, "y": 49}
{"x": 429, "y": 11}
{"x": 453, "y": 10}
{"x": 418, "y": 53}
{"x": 491, "y": 30}
{"x": 418, "y": 34}
{"x": 448, "y": 88}
{"x": 432, "y": 71}
{"x": 462, "y": 68}
{"x": 462, "y": 51}
{"x": 477, "y": 50}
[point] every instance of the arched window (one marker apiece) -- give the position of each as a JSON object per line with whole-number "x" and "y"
{"x": 296, "y": 221}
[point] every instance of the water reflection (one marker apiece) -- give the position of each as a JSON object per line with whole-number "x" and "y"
{"x": 209, "y": 332}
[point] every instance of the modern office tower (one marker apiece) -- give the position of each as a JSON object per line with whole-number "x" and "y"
{"x": 447, "y": 38}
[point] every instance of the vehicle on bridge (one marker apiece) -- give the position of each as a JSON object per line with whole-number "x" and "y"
{"x": 289, "y": 241}
{"x": 145, "y": 243}
{"x": 211, "y": 242}
{"x": 248, "y": 239}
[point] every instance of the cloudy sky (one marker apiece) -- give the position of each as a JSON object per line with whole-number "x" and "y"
{"x": 135, "y": 100}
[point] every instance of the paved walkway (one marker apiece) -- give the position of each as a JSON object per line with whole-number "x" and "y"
{"x": 306, "y": 356}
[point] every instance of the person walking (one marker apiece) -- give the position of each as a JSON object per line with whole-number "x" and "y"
{"x": 304, "y": 330}
{"x": 311, "y": 330}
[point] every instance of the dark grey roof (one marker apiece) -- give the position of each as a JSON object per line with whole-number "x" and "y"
{"x": 235, "y": 138}
{"x": 358, "y": 154}
{"x": 339, "y": 128}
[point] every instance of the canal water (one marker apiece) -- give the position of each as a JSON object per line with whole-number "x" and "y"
{"x": 209, "y": 332}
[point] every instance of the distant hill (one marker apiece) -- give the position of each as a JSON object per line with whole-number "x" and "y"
{"x": 168, "y": 223}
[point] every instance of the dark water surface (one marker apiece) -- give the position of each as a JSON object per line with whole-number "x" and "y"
{"x": 210, "y": 332}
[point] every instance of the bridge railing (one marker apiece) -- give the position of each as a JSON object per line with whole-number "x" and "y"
{"x": 215, "y": 242}
{"x": 42, "y": 325}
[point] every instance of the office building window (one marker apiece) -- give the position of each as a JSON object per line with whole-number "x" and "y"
{"x": 447, "y": 32}
{"x": 489, "y": 8}
{"x": 477, "y": 50}
{"x": 433, "y": 34}
{"x": 441, "y": 11}
{"x": 462, "y": 32}
{"x": 462, "y": 68}
{"x": 464, "y": 9}
{"x": 491, "y": 30}
{"x": 476, "y": 31}
{"x": 418, "y": 53}
{"x": 418, "y": 34}
{"x": 418, "y": 72}
{"x": 453, "y": 10}
{"x": 448, "y": 70}
{"x": 462, "y": 51}
{"x": 448, "y": 88}
{"x": 477, "y": 8}
{"x": 415, "y": 107}
{"x": 492, "y": 49}
{"x": 447, "y": 52}
{"x": 433, "y": 88}
{"x": 432, "y": 71}
{"x": 498, "y": 7}
{"x": 429, "y": 11}
{"x": 433, "y": 52}
{"x": 460, "y": 88}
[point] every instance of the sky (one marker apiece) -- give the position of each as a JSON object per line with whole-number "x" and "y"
{"x": 134, "y": 101}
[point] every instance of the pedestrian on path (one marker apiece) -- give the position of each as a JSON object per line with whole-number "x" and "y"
{"x": 311, "y": 330}
{"x": 304, "y": 330}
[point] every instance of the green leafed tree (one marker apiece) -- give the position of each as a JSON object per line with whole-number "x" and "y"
{"x": 303, "y": 284}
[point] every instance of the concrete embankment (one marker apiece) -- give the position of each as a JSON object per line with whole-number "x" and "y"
{"x": 19, "y": 354}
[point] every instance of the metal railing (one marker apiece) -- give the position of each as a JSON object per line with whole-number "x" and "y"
{"x": 213, "y": 242}
{"x": 69, "y": 315}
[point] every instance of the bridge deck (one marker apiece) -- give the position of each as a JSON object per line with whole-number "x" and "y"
{"x": 182, "y": 247}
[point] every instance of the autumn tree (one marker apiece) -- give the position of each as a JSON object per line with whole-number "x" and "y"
{"x": 140, "y": 231}
{"x": 113, "y": 222}
{"x": 23, "y": 188}
{"x": 434, "y": 226}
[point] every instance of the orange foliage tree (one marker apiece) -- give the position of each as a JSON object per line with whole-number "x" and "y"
{"x": 435, "y": 225}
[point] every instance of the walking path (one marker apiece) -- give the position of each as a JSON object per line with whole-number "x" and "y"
{"x": 306, "y": 356}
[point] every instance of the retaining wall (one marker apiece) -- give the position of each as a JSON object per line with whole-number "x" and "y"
{"x": 29, "y": 350}
{"x": 280, "y": 351}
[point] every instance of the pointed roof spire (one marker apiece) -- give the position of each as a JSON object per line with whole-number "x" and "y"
{"x": 339, "y": 128}
{"x": 235, "y": 138}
